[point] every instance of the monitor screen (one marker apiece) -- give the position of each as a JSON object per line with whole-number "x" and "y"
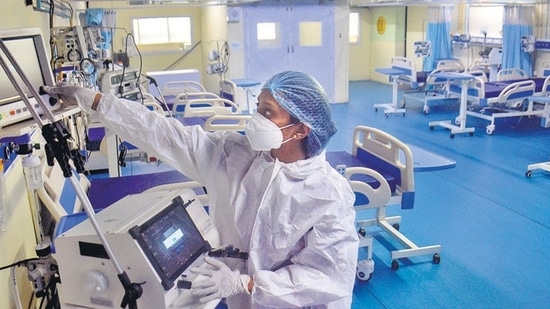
{"x": 171, "y": 241}
{"x": 28, "y": 49}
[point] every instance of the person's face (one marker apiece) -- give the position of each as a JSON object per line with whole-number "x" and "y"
{"x": 270, "y": 109}
{"x": 293, "y": 149}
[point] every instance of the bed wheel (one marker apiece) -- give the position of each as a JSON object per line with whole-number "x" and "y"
{"x": 375, "y": 109}
{"x": 396, "y": 226}
{"x": 528, "y": 173}
{"x": 365, "y": 268}
{"x": 394, "y": 265}
{"x": 471, "y": 133}
{"x": 490, "y": 131}
{"x": 386, "y": 114}
{"x": 431, "y": 128}
{"x": 436, "y": 259}
{"x": 403, "y": 103}
{"x": 452, "y": 135}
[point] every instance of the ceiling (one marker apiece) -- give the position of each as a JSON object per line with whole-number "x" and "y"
{"x": 353, "y": 3}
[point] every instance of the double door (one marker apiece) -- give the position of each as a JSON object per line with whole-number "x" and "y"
{"x": 296, "y": 37}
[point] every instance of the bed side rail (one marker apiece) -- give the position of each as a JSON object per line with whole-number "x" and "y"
{"x": 396, "y": 155}
{"x": 516, "y": 91}
{"x": 407, "y": 66}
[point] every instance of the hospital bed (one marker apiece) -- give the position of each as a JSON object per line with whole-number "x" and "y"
{"x": 229, "y": 89}
{"x": 177, "y": 103}
{"x": 59, "y": 196}
{"x": 511, "y": 74}
{"x": 500, "y": 99}
{"x": 391, "y": 158}
{"x": 173, "y": 88}
{"x": 210, "y": 107}
{"x": 177, "y": 93}
{"x": 215, "y": 114}
{"x": 403, "y": 72}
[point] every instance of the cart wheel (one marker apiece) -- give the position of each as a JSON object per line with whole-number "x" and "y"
{"x": 362, "y": 232}
{"x": 452, "y": 135}
{"x": 396, "y": 226}
{"x": 394, "y": 265}
{"x": 436, "y": 259}
{"x": 528, "y": 173}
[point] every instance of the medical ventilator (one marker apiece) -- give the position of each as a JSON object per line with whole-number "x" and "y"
{"x": 156, "y": 236}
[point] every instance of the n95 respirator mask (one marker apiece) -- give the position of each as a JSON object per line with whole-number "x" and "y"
{"x": 263, "y": 134}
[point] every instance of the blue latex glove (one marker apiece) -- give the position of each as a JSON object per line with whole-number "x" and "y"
{"x": 73, "y": 95}
{"x": 221, "y": 281}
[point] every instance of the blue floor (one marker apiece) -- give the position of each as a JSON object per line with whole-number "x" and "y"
{"x": 493, "y": 222}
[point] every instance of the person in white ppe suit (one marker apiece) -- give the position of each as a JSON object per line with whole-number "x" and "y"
{"x": 271, "y": 193}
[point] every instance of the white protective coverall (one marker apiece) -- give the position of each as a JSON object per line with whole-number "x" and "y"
{"x": 296, "y": 220}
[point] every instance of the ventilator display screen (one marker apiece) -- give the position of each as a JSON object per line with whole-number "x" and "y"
{"x": 25, "y": 51}
{"x": 171, "y": 241}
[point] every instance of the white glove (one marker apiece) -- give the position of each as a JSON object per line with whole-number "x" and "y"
{"x": 73, "y": 95}
{"x": 221, "y": 281}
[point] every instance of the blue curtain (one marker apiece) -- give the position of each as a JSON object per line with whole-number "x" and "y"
{"x": 516, "y": 24}
{"x": 439, "y": 36}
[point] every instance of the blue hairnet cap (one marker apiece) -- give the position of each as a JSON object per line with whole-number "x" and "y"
{"x": 303, "y": 97}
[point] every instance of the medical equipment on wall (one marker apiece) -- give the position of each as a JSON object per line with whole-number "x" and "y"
{"x": 528, "y": 43}
{"x": 74, "y": 58}
{"x": 220, "y": 57}
{"x": 157, "y": 235}
{"x": 122, "y": 83}
{"x": 461, "y": 40}
{"x": 69, "y": 43}
{"x": 422, "y": 48}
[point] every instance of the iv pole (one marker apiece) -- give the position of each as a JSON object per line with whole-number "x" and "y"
{"x": 57, "y": 147}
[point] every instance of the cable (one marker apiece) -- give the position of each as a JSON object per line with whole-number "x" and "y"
{"x": 31, "y": 299}
{"x": 19, "y": 263}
